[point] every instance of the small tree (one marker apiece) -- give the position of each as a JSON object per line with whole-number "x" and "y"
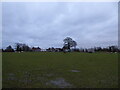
{"x": 18, "y": 47}
{"x": 9, "y": 49}
{"x": 2, "y": 50}
{"x": 22, "y": 47}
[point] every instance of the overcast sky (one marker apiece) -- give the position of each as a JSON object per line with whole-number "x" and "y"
{"x": 46, "y": 24}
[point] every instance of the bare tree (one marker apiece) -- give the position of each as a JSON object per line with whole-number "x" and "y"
{"x": 68, "y": 43}
{"x": 22, "y": 47}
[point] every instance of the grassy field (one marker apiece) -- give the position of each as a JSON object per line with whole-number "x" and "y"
{"x": 60, "y": 70}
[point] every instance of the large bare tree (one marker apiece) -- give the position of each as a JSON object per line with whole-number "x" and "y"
{"x": 68, "y": 43}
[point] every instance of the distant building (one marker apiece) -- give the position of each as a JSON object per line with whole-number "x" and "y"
{"x": 43, "y": 50}
{"x": 36, "y": 49}
{"x": 90, "y": 50}
{"x": 58, "y": 50}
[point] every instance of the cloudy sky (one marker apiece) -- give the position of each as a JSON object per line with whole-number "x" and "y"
{"x": 46, "y": 24}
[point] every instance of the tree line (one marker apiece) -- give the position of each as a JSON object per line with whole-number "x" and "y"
{"x": 68, "y": 46}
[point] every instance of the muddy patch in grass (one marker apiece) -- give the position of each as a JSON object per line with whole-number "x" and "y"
{"x": 11, "y": 76}
{"x": 75, "y": 71}
{"x": 60, "y": 83}
{"x": 49, "y": 75}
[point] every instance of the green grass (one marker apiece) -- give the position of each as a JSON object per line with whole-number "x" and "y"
{"x": 0, "y": 70}
{"x": 96, "y": 70}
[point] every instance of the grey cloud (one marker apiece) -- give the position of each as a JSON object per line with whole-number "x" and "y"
{"x": 47, "y": 24}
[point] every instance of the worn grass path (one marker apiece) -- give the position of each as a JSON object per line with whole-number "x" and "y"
{"x": 56, "y": 70}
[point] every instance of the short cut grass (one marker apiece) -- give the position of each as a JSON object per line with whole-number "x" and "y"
{"x": 37, "y": 69}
